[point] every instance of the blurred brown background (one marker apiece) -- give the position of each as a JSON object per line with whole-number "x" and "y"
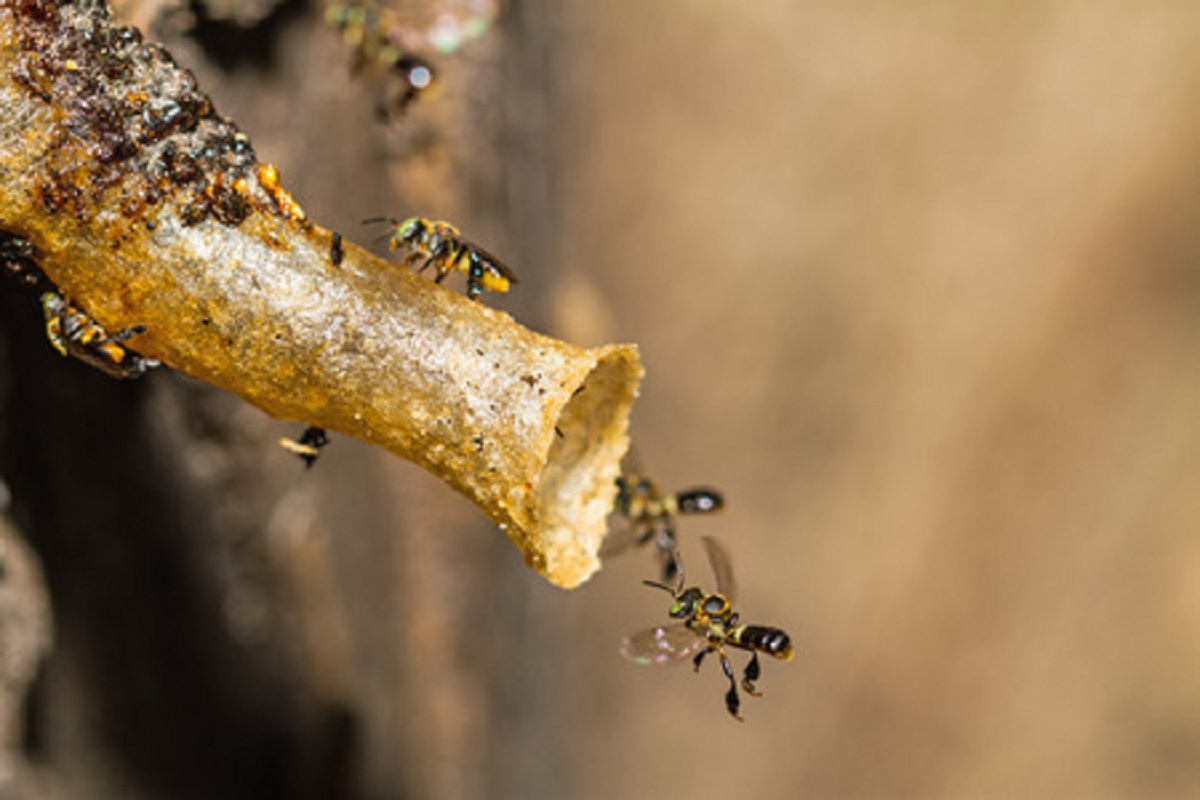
{"x": 916, "y": 285}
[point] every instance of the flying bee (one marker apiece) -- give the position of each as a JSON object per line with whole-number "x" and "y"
{"x": 415, "y": 77}
{"x": 445, "y": 249}
{"x": 372, "y": 33}
{"x": 308, "y": 446}
{"x": 73, "y": 333}
{"x": 709, "y": 624}
{"x": 644, "y": 514}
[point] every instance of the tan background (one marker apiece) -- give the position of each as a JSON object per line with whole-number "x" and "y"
{"x": 918, "y": 285}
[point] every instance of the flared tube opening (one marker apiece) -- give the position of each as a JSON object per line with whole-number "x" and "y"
{"x": 578, "y": 485}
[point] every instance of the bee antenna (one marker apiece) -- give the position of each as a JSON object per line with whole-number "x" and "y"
{"x": 662, "y": 586}
{"x": 373, "y": 220}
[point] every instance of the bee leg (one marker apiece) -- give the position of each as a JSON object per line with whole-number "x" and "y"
{"x": 671, "y": 565}
{"x": 753, "y": 670}
{"x": 670, "y": 568}
{"x": 123, "y": 334}
{"x": 126, "y": 362}
{"x": 665, "y": 537}
{"x": 732, "y": 701}
{"x": 646, "y": 535}
{"x": 308, "y": 446}
{"x": 437, "y": 257}
{"x": 137, "y": 364}
{"x": 474, "y": 280}
{"x": 699, "y": 659}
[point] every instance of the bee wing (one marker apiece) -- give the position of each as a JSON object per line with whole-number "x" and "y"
{"x": 722, "y": 568}
{"x": 631, "y": 464}
{"x": 493, "y": 262}
{"x": 623, "y": 533}
{"x": 662, "y": 645}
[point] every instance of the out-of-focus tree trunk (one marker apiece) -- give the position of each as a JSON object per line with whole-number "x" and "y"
{"x": 229, "y": 624}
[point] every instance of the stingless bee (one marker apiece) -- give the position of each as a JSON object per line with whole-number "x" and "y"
{"x": 336, "y": 252}
{"x": 308, "y": 446}
{"x": 445, "y": 249}
{"x": 416, "y": 77}
{"x": 644, "y": 514}
{"x": 73, "y": 333}
{"x": 709, "y": 624}
{"x": 373, "y": 33}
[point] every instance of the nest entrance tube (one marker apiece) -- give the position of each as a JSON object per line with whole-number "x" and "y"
{"x": 225, "y": 278}
{"x": 578, "y": 484}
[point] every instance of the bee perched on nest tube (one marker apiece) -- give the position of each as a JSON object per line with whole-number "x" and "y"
{"x": 72, "y": 332}
{"x": 445, "y": 249}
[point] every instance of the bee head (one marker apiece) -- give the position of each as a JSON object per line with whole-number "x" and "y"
{"x": 687, "y": 603}
{"x": 411, "y": 229}
{"x": 52, "y": 303}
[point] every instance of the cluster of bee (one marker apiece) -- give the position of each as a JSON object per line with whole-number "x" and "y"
{"x": 643, "y": 514}
{"x": 705, "y": 622}
{"x": 381, "y": 45}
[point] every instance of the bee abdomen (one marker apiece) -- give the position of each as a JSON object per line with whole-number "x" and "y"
{"x": 771, "y": 641}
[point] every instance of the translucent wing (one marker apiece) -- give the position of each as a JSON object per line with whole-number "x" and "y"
{"x": 722, "y": 568}
{"x": 623, "y": 533}
{"x": 493, "y": 262}
{"x": 631, "y": 464}
{"x": 668, "y": 644}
